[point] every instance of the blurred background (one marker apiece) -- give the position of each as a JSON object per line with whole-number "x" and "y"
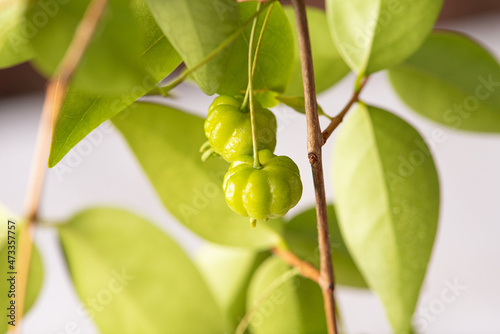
{"x": 465, "y": 259}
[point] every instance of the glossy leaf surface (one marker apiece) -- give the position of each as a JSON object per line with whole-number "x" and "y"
{"x": 387, "y": 201}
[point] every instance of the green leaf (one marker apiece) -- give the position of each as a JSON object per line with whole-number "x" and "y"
{"x": 166, "y": 142}
{"x": 82, "y": 112}
{"x": 111, "y": 63}
{"x": 276, "y": 56}
{"x": 329, "y": 67}
{"x": 36, "y": 268}
{"x": 295, "y": 306}
{"x": 387, "y": 201}
{"x": 298, "y": 104}
{"x": 195, "y": 28}
{"x": 158, "y": 56}
{"x": 14, "y": 44}
{"x": 132, "y": 278}
{"x": 452, "y": 80}
{"x": 301, "y": 236}
{"x": 228, "y": 271}
{"x": 267, "y": 98}
{"x": 375, "y": 34}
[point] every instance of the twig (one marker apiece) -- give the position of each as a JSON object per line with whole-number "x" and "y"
{"x": 314, "y": 145}
{"x": 305, "y": 268}
{"x": 56, "y": 89}
{"x": 335, "y": 122}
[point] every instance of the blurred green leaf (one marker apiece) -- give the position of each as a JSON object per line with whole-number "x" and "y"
{"x": 452, "y": 80}
{"x": 295, "y": 306}
{"x": 228, "y": 271}
{"x": 329, "y": 67}
{"x": 166, "y": 142}
{"x": 195, "y": 28}
{"x": 276, "y": 56}
{"x": 14, "y": 44}
{"x": 82, "y": 112}
{"x": 301, "y": 236}
{"x": 373, "y": 35}
{"x": 267, "y": 98}
{"x": 111, "y": 63}
{"x": 36, "y": 268}
{"x": 387, "y": 201}
{"x": 298, "y": 104}
{"x": 132, "y": 278}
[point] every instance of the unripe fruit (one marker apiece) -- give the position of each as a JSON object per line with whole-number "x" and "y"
{"x": 268, "y": 192}
{"x": 229, "y": 130}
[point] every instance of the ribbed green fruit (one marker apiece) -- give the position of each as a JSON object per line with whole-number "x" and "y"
{"x": 229, "y": 130}
{"x": 269, "y": 192}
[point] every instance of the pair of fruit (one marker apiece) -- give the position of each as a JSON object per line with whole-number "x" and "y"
{"x": 259, "y": 193}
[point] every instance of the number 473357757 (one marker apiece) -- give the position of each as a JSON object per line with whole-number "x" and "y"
{"x": 11, "y": 244}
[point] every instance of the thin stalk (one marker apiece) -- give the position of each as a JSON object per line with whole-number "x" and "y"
{"x": 359, "y": 82}
{"x": 221, "y": 47}
{"x": 257, "y": 48}
{"x": 249, "y": 95}
{"x": 250, "y": 64}
{"x": 54, "y": 96}
{"x": 261, "y": 37}
{"x": 335, "y": 121}
{"x": 306, "y": 269}
{"x": 314, "y": 145}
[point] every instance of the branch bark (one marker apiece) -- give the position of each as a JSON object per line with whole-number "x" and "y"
{"x": 335, "y": 122}
{"x": 55, "y": 92}
{"x": 305, "y": 268}
{"x": 314, "y": 145}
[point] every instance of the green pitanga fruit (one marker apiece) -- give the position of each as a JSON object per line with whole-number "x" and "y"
{"x": 266, "y": 192}
{"x": 229, "y": 129}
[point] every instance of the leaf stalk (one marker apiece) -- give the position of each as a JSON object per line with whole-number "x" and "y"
{"x": 335, "y": 121}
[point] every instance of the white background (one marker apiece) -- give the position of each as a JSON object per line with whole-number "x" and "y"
{"x": 467, "y": 248}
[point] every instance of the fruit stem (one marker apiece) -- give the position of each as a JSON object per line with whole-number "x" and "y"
{"x": 253, "y": 222}
{"x": 249, "y": 95}
{"x": 252, "y": 64}
{"x": 257, "y": 49}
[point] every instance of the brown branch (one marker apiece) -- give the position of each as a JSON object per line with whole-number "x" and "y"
{"x": 335, "y": 122}
{"x": 56, "y": 89}
{"x": 314, "y": 145}
{"x": 305, "y": 268}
